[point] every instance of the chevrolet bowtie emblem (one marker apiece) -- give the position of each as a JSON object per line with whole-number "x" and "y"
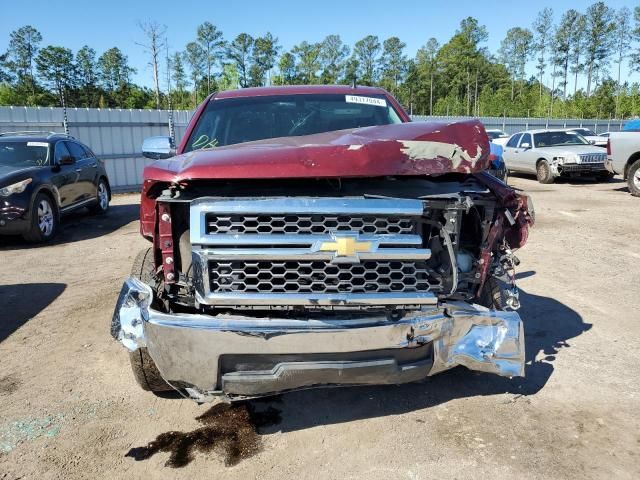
{"x": 346, "y": 247}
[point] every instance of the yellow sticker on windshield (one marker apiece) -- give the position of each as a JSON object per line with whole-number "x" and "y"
{"x": 376, "y": 102}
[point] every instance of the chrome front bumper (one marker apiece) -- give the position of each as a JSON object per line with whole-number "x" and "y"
{"x": 237, "y": 356}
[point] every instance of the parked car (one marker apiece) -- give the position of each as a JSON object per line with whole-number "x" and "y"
{"x": 306, "y": 236}
{"x": 43, "y": 176}
{"x": 497, "y": 136}
{"x": 498, "y": 168}
{"x": 591, "y": 137}
{"x": 555, "y": 153}
{"x": 623, "y": 151}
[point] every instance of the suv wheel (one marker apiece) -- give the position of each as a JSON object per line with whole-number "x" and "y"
{"x": 633, "y": 178}
{"x": 44, "y": 220}
{"x": 543, "y": 172}
{"x": 102, "y": 194}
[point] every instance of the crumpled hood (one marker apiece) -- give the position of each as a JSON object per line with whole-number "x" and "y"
{"x": 401, "y": 149}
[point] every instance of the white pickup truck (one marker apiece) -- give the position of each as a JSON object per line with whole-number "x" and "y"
{"x": 623, "y": 151}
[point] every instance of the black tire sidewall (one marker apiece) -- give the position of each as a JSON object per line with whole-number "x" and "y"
{"x": 630, "y": 174}
{"x": 491, "y": 295}
{"x": 548, "y": 178}
{"x": 35, "y": 234}
{"x": 97, "y": 208}
{"x": 144, "y": 368}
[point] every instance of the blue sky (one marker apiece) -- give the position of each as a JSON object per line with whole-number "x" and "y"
{"x": 102, "y": 25}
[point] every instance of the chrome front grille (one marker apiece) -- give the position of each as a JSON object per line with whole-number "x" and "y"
{"x": 319, "y": 277}
{"x": 593, "y": 157}
{"x": 315, "y": 252}
{"x": 300, "y": 224}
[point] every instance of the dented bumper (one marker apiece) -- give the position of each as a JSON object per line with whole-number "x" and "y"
{"x": 248, "y": 356}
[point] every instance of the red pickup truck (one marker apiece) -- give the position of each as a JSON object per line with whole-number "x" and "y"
{"x": 315, "y": 236}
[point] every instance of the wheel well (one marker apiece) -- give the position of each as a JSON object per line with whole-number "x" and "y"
{"x": 631, "y": 161}
{"x": 541, "y": 160}
{"x": 106, "y": 180}
{"x": 52, "y": 197}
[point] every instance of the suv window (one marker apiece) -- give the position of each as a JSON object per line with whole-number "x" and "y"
{"x": 87, "y": 151}
{"x": 76, "y": 150}
{"x": 513, "y": 141}
{"x": 61, "y": 151}
{"x": 526, "y": 138}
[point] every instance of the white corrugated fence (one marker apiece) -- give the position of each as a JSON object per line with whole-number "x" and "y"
{"x": 116, "y": 135}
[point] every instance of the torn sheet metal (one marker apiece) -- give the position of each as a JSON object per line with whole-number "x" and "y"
{"x": 188, "y": 348}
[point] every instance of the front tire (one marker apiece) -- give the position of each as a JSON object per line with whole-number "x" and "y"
{"x": 102, "y": 198}
{"x": 44, "y": 220}
{"x": 543, "y": 172}
{"x": 491, "y": 295}
{"x": 143, "y": 367}
{"x": 633, "y": 179}
{"x": 146, "y": 373}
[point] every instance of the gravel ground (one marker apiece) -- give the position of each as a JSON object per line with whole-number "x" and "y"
{"x": 69, "y": 407}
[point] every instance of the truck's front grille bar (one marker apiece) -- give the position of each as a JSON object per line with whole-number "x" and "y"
{"x": 308, "y": 224}
{"x": 310, "y": 251}
{"x": 396, "y": 216}
{"x": 319, "y": 277}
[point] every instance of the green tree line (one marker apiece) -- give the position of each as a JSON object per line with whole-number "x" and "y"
{"x": 577, "y": 60}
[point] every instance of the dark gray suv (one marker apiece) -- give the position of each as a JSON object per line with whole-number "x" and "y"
{"x": 43, "y": 176}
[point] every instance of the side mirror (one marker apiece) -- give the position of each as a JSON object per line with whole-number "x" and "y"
{"x": 592, "y": 142}
{"x": 525, "y": 145}
{"x": 158, "y": 148}
{"x": 66, "y": 160}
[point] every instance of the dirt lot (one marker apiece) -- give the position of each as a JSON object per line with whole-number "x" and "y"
{"x": 69, "y": 407}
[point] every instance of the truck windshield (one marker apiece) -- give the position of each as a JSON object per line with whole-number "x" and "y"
{"x": 237, "y": 120}
{"x": 551, "y": 139}
{"x": 23, "y": 153}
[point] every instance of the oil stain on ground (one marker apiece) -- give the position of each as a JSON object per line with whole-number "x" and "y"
{"x": 229, "y": 430}
{"x": 8, "y": 385}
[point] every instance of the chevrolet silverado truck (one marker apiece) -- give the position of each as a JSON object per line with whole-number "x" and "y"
{"x": 314, "y": 236}
{"x": 623, "y": 150}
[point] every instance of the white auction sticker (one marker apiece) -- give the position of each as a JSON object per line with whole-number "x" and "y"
{"x": 37, "y": 144}
{"x": 376, "y": 102}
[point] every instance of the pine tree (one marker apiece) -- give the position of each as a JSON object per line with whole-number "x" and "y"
{"x": 210, "y": 39}
{"x": 239, "y": 52}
